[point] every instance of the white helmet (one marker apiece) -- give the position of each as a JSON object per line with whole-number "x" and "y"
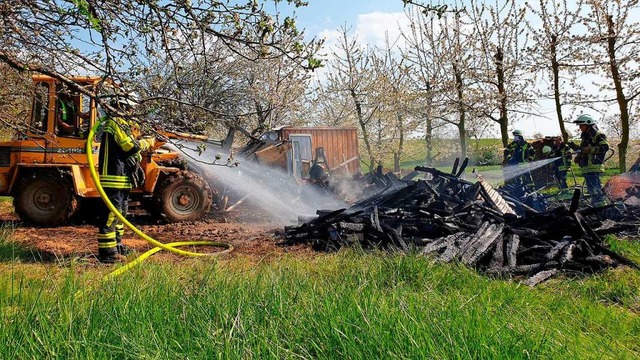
{"x": 127, "y": 99}
{"x": 117, "y": 96}
{"x": 585, "y": 119}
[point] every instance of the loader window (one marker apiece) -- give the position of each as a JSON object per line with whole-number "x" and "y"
{"x": 40, "y": 109}
{"x": 85, "y": 111}
{"x": 71, "y": 114}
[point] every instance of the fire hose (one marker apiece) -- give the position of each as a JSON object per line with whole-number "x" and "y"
{"x": 172, "y": 247}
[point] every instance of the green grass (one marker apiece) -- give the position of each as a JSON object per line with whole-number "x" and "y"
{"x": 444, "y": 150}
{"x": 345, "y": 305}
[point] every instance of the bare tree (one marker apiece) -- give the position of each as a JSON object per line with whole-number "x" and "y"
{"x": 446, "y": 36}
{"x": 350, "y": 74}
{"x": 555, "y": 49}
{"x": 255, "y": 95}
{"x": 392, "y": 89}
{"x": 459, "y": 63}
{"x": 501, "y": 39}
{"x": 326, "y": 106}
{"x": 425, "y": 73}
{"x": 14, "y": 95}
{"x": 612, "y": 25}
{"x": 120, "y": 40}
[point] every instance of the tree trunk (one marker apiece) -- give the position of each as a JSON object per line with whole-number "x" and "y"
{"x": 397, "y": 155}
{"x": 462, "y": 140}
{"x": 502, "y": 94}
{"x": 555, "y": 69}
{"x": 396, "y": 162}
{"x": 462, "y": 133}
{"x": 429, "y": 140}
{"x": 620, "y": 97}
{"x": 363, "y": 127}
{"x": 262, "y": 116}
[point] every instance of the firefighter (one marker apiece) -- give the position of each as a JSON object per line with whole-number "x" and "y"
{"x": 119, "y": 170}
{"x": 518, "y": 152}
{"x": 66, "y": 114}
{"x": 590, "y": 157}
{"x": 561, "y": 165}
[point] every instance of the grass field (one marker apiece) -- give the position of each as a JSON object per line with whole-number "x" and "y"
{"x": 345, "y": 305}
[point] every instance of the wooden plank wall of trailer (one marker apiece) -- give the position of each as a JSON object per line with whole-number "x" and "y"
{"x": 340, "y": 145}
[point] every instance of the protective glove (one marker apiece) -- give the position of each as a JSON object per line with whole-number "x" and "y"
{"x": 137, "y": 176}
{"x": 586, "y": 150}
{"x": 133, "y": 161}
{"x": 577, "y": 158}
{"x": 147, "y": 143}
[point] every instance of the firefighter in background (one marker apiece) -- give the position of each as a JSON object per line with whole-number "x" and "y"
{"x": 518, "y": 152}
{"x": 119, "y": 169}
{"x": 591, "y": 156}
{"x": 563, "y": 152}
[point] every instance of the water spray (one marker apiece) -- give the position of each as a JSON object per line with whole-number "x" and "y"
{"x": 510, "y": 172}
{"x": 268, "y": 188}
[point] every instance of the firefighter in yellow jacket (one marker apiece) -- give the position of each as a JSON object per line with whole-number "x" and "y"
{"x": 593, "y": 149}
{"x": 119, "y": 170}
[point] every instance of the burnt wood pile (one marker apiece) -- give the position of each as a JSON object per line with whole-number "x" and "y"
{"x": 452, "y": 219}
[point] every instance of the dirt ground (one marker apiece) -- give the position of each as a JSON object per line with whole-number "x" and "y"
{"x": 252, "y": 235}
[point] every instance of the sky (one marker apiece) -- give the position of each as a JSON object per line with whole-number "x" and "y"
{"x": 321, "y": 16}
{"x": 370, "y": 21}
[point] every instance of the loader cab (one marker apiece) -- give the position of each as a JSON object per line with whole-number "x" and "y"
{"x": 57, "y": 111}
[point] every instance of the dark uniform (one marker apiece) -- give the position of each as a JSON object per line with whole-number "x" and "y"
{"x": 518, "y": 152}
{"x": 593, "y": 149}
{"x": 561, "y": 165}
{"x": 119, "y": 159}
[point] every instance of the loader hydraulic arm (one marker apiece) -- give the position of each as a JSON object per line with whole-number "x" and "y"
{"x": 176, "y": 135}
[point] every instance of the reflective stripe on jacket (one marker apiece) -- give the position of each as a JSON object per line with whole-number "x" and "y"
{"x": 563, "y": 152}
{"x": 593, "y": 161}
{"x": 517, "y": 153}
{"x": 117, "y": 145}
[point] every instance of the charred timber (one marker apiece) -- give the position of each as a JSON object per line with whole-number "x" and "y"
{"x": 453, "y": 220}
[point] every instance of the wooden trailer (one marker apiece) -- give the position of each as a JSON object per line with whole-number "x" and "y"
{"x": 296, "y": 149}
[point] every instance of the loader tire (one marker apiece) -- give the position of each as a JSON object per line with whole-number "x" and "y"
{"x": 183, "y": 196}
{"x": 46, "y": 200}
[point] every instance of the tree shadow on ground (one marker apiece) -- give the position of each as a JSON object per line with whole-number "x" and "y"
{"x": 14, "y": 251}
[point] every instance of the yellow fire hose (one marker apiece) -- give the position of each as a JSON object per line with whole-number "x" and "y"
{"x": 172, "y": 247}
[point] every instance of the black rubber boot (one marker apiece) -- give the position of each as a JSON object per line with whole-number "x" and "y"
{"x": 108, "y": 256}
{"x": 123, "y": 249}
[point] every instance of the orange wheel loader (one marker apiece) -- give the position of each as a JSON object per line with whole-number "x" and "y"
{"x": 45, "y": 168}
